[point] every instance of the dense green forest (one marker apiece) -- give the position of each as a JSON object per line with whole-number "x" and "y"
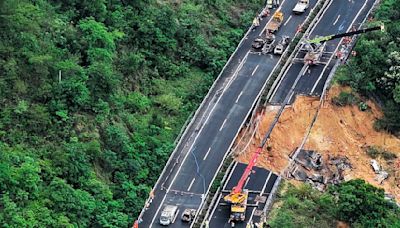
{"x": 355, "y": 202}
{"x": 375, "y": 70}
{"x": 93, "y": 95}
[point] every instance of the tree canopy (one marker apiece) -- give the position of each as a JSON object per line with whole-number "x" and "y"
{"x": 92, "y": 97}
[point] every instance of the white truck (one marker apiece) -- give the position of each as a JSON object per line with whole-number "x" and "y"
{"x": 168, "y": 215}
{"x": 301, "y": 6}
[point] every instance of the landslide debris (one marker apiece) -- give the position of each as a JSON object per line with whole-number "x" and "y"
{"x": 339, "y": 131}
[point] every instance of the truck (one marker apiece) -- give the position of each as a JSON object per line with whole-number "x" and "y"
{"x": 275, "y": 23}
{"x": 238, "y": 206}
{"x": 237, "y": 198}
{"x": 301, "y": 6}
{"x": 168, "y": 215}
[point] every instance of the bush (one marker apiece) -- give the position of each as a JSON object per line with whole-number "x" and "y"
{"x": 387, "y": 155}
{"x": 372, "y": 151}
{"x": 375, "y": 152}
{"x": 345, "y": 98}
{"x": 363, "y": 106}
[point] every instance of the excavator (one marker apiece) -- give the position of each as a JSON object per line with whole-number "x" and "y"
{"x": 315, "y": 48}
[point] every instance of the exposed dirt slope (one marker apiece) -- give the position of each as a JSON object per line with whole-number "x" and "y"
{"x": 341, "y": 131}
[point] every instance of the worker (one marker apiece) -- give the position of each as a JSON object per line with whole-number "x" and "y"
{"x": 256, "y": 22}
{"x": 299, "y": 28}
{"x": 265, "y": 12}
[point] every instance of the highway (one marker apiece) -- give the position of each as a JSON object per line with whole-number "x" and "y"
{"x": 260, "y": 184}
{"x": 202, "y": 149}
{"x": 342, "y": 15}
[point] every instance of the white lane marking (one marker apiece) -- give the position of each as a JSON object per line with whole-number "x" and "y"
{"x": 222, "y": 126}
{"x": 262, "y": 191}
{"x": 247, "y": 181}
{"x": 205, "y": 156}
{"x": 190, "y": 185}
{"x": 321, "y": 16}
{"x": 194, "y": 142}
{"x": 255, "y": 69}
{"x": 215, "y": 207}
{"x": 337, "y": 47}
{"x": 337, "y": 19}
{"x": 287, "y": 21}
{"x": 176, "y": 215}
{"x": 229, "y": 176}
{"x": 279, "y": 8}
{"x": 239, "y": 96}
{"x": 279, "y": 83}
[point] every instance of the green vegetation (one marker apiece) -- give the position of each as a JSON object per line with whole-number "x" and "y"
{"x": 355, "y": 202}
{"x": 84, "y": 148}
{"x": 375, "y": 152}
{"x": 345, "y": 98}
{"x": 376, "y": 68}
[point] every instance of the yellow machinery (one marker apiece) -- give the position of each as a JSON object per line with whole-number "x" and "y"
{"x": 238, "y": 205}
{"x": 276, "y": 22}
{"x": 238, "y": 197}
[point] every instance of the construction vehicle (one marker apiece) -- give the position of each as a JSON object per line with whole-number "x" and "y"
{"x": 281, "y": 46}
{"x": 188, "y": 215}
{"x": 301, "y": 6}
{"x": 276, "y": 22}
{"x": 315, "y": 48}
{"x": 238, "y": 196}
{"x": 168, "y": 215}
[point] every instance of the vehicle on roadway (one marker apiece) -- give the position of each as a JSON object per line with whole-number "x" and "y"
{"x": 168, "y": 215}
{"x": 264, "y": 42}
{"x": 272, "y": 3}
{"x": 281, "y": 46}
{"x": 238, "y": 196}
{"x": 276, "y": 22}
{"x": 301, "y": 6}
{"x": 188, "y": 215}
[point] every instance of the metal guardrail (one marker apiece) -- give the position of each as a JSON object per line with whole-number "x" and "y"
{"x": 258, "y": 101}
{"x": 326, "y": 85}
{"x": 313, "y": 21}
{"x": 186, "y": 126}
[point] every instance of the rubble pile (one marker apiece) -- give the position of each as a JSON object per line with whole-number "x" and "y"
{"x": 381, "y": 174}
{"x": 311, "y": 167}
{"x": 339, "y": 131}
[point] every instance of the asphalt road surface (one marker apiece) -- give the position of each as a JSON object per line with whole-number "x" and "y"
{"x": 340, "y": 17}
{"x": 201, "y": 152}
{"x": 260, "y": 183}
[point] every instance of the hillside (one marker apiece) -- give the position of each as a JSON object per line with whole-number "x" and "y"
{"x": 92, "y": 97}
{"x": 338, "y": 132}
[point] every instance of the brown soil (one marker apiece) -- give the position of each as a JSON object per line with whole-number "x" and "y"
{"x": 337, "y": 131}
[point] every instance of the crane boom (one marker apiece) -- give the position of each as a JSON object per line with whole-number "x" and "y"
{"x": 247, "y": 171}
{"x": 322, "y": 39}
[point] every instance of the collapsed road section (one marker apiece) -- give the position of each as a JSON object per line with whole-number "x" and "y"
{"x": 294, "y": 80}
{"x": 205, "y": 143}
